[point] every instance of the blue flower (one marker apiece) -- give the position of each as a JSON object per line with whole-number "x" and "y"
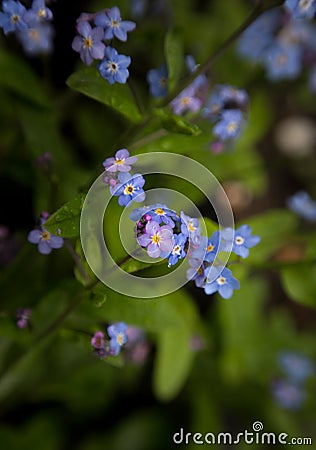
{"x": 37, "y": 39}
{"x": 196, "y": 272}
{"x": 158, "y": 81}
{"x": 239, "y": 241}
{"x": 288, "y": 395}
{"x": 259, "y": 36}
{"x": 12, "y": 17}
{"x": 129, "y": 188}
{"x": 190, "y": 227}
{"x": 283, "y": 61}
{"x": 89, "y": 44}
{"x": 221, "y": 280}
{"x": 117, "y": 333}
{"x": 113, "y": 24}
{"x": 177, "y": 252}
{"x": 186, "y": 101}
{"x": 137, "y": 213}
{"x": 207, "y": 248}
{"x": 114, "y": 66}
{"x": 45, "y": 240}
{"x": 161, "y": 213}
{"x": 301, "y": 9}
{"x": 229, "y": 126}
{"x": 302, "y": 204}
{"x": 200, "y": 83}
{"x": 38, "y": 13}
{"x": 297, "y": 367}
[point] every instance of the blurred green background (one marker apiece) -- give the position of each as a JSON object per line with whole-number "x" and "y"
{"x": 211, "y": 363}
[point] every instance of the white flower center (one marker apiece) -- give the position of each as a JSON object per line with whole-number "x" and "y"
{"x": 239, "y": 240}
{"x": 304, "y": 4}
{"x": 113, "y": 67}
{"x": 176, "y": 250}
{"x": 221, "y": 280}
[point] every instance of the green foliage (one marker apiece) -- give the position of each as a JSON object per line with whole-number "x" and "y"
{"x": 299, "y": 282}
{"x": 118, "y": 97}
{"x": 65, "y": 222}
{"x": 174, "y": 57}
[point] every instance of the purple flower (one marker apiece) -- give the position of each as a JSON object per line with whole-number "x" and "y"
{"x": 301, "y": 9}
{"x": 97, "y": 340}
{"x": 158, "y": 240}
{"x": 45, "y": 240}
{"x": 283, "y": 61}
{"x": 37, "y": 39}
{"x": 89, "y": 44}
{"x": 22, "y": 317}
{"x": 186, "y": 101}
{"x": 239, "y": 241}
{"x": 190, "y": 227}
{"x": 113, "y": 24}
{"x": 38, "y": 13}
{"x": 297, "y": 367}
{"x": 287, "y": 394}
{"x": 113, "y": 67}
{"x": 12, "y": 17}
{"x": 221, "y": 280}
{"x": 229, "y": 126}
{"x": 158, "y": 81}
{"x": 178, "y": 251}
{"x": 117, "y": 333}
{"x": 303, "y": 205}
{"x": 129, "y": 188}
{"x": 121, "y": 162}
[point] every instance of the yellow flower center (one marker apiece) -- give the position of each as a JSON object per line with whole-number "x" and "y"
{"x": 191, "y": 227}
{"x": 34, "y": 34}
{"x": 41, "y": 13}
{"x": 232, "y": 127}
{"x": 45, "y": 235}
{"x": 185, "y": 101}
{"x": 129, "y": 189}
{"x": 114, "y": 23}
{"x": 119, "y": 161}
{"x": 163, "y": 81}
{"x": 200, "y": 271}
{"x": 159, "y": 211}
{"x": 88, "y": 42}
{"x": 210, "y": 248}
{"x": 120, "y": 339}
{"x": 155, "y": 239}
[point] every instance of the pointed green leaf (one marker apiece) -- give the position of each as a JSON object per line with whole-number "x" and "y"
{"x": 173, "y": 362}
{"x": 16, "y": 75}
{"x": 117, "y": 96}
{"x": 299, "y": 283}
{"x": 174, "y": 57}
{"x": 65, "y": 222}
{"x": 177, "y": 124}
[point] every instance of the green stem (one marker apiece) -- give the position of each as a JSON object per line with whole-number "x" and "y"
{"x": 77, "y": 261}
{"x": 202, "y": 68}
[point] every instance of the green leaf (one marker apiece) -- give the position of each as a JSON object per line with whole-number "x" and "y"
{"x": 299, "y": 283}
{"x": 117, "y": 96}
{"x": 65, "y": 222}
{"x": 173, "y": 362}
{"x": 174, "y": 57}
{"x": 29, "y": 86}
{"x": 177, "y": 124}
